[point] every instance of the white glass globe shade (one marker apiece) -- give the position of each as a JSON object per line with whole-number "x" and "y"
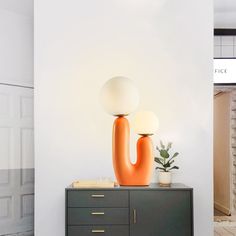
{"x": 145, "y": 123}
{"x": 119, "y": 96}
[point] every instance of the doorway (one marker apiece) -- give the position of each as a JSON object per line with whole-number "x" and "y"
{"x": 16, "y": 118}
{"x": 224, "y": 113}
{"x": 224, "y": 134}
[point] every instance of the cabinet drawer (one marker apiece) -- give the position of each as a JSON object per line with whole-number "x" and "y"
{"x": 97, "y": 198}
{"x": 98, "y": 216}
{"x": 98, "y": 230}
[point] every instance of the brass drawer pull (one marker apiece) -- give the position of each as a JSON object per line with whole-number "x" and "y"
{"x": 98, "y": 231}
{"x": 135, "y": 216}
{"x": 98, "y": 195}
{"x": 97, "y": 213}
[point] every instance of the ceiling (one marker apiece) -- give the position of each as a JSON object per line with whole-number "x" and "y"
{"x": 224, "y": 5}
{"x": 225, "y": 13}
{"x": 24, "y": 7}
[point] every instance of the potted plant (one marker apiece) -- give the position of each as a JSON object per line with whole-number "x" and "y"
{"x": 165, "y": 164}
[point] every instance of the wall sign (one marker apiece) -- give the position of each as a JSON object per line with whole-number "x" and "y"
{"x": 225, "y": 71}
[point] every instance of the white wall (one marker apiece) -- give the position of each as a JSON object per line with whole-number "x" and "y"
{"x": 16, "y": 47}
{"x": 165, "y": 47}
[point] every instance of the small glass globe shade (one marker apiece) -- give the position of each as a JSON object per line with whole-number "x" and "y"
{"x": 119, "y": 96}
{"x": 145, "y": 123}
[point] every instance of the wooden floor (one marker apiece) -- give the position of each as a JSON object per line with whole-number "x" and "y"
{"x": 218, "y": 213}
{"x": 224, "y": 225}
{"x": 225, "y": 231}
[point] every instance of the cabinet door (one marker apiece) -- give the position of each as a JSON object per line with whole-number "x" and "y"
{"x": 160, "y": 213}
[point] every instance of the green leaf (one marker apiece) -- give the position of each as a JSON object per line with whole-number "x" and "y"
{"x": 159, "y": 160}
{"x": 169, "y": 163}
{"x": 169, "y": 146}
{"x": 160, "y": 168}
{"x": 172, "y": 158}
{"x": 174, "y": 167}
{"x": 164, "y": 154}
{"x": 162, "y": 145}
{"x": 175, "y": 155}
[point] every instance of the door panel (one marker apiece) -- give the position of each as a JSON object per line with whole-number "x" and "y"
{"x": 160, "y": 213}
{"x": 16, "y": 160}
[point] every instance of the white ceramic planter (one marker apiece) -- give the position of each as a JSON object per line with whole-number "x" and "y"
{"x": 164, "y": 178}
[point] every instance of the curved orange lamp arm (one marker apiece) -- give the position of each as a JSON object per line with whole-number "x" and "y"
{"x": 126, "y": 172}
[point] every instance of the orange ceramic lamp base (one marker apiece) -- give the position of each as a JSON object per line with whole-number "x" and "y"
{"x": 138, "y": 174}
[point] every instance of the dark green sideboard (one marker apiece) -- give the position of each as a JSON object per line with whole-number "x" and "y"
{"x": 130, "y": 211}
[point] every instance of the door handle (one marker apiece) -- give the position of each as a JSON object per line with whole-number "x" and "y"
{"x": 135, "y": 216}
{"x": 98, "y": 231}
{"x": 97, "y": 213}
{"x": 98, "y": 195}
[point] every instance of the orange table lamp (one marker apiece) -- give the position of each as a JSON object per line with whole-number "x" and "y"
{"x": 120, "y": 97}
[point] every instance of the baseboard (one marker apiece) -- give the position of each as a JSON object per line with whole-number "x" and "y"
{"x": 222, "y": 208}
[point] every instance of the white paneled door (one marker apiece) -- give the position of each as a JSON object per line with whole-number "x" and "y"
{"x": 16, "y": 160}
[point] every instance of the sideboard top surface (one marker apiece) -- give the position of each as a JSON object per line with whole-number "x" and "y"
{"x": 152, "y": 186}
